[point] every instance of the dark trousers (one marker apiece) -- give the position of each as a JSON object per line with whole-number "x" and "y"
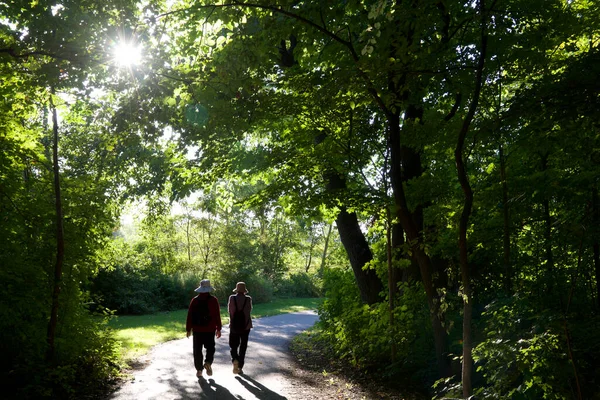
{"x": 238, "y": 343}
{"x": 206, "y": 339}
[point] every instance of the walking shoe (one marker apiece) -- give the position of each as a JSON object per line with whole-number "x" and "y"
{"x": 199, "y": 374}
{"x": 236, "y": 367}
{"x": 208, "y": 369}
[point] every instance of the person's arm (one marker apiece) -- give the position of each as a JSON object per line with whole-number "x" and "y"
{"x": 188, "y": 320}
{"x": 230, "y": 306}
{"x": 217, "y": 313}
{"x": 248, "y": 311}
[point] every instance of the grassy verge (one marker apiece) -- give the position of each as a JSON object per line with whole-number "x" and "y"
{"x": 138, "y": 333}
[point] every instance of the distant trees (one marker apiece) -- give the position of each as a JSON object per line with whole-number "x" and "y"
{"x": 223, "y": 242}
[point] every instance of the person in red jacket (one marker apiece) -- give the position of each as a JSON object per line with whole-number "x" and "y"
{"x": 204, "y": 320}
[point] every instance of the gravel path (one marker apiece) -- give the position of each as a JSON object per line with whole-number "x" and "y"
{"x": 268, "y": 371}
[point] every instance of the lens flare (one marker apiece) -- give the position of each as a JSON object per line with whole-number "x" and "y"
{"x": 127, "y": 54}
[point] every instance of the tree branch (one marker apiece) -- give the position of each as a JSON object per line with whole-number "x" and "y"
{"x": 346, "y": 43}
{"x": 12, "y": 52}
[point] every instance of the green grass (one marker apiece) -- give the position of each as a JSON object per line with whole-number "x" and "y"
{"x": 138, "y": 333}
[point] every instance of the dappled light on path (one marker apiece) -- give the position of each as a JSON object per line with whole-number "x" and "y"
{"x": 170, "y": 372}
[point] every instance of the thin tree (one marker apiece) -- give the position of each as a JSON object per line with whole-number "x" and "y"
{"x": 467, "y": 363}
{"x": 60, "y": 241}
{"x": 325, "y": 248}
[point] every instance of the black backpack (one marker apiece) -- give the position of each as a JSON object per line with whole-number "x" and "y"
{"x": 201, "y": 316}
{"x": 238, "y": 320}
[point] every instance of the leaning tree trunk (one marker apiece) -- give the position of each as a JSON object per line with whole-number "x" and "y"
{"x": 355, "y": 244}
{"x": 359, "y": 254}
{"x": 60, "y": 243}
{"x": 353, "y": 239}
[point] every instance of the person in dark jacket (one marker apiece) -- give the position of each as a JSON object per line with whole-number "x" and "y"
{"x": 204, "y": 320}
{"x": 238, "y": 337}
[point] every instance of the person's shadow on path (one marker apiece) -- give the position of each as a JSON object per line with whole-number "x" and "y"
{"x": 257, "y": 389}
{"x": 211, "y": 390}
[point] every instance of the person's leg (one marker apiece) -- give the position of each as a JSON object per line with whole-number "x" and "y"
{"x": 209, "y": 345}
{"x": 243, "y": 347}
{"x": 234, "y": 344}
{"x": 198, "y": 356}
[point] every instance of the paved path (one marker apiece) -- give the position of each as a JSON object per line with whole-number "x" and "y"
{"x": 171, "y": 373}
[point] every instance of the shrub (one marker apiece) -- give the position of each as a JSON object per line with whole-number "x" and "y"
{"x": 85, "y": 359}
{"x": 299, "y": 285}
{"x": 259, "y": 287}
{"x": 362, "y": 333}
{"x": 523, "y": 354}
{"x": 130, "y": 291}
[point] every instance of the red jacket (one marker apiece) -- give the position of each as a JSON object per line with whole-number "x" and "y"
{"x": 214, "y": 310}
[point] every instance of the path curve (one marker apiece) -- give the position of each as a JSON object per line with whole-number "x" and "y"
{"x": 170, "y": 373}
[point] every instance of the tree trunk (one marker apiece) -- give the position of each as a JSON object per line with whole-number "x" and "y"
{"x": 406, "y": 274}
{"x": 359, "y": 254}
{"x": 60, "y": 243}
{"x": 596, "y": 242}
{"x": 409, "y": 225}
{"x": 548, "y": 233}
{"x": 467, "y": 362}
{"x": 412, "y": 168}
{"x": 463, "y": 178}
{"x": 506, "y": 230}
{"x": 313, "y": 240}
{"x": 467, "y": 359}
{"x": 325, "y": 248}
{"x": 391, "y": 280}
{"x": 187, "y": 237}
{"x": 357, "y": 247}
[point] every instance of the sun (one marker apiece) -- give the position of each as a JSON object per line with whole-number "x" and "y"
{"x": 127, "y": 54}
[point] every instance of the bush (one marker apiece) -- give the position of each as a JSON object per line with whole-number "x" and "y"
{"x": 130, "y": 291}
{"x": 85, "y": 359}
{"x": 362, "y": 333}
{"x": 299, "y": 285}
{"x": 174, "y": 291}
{"x": 259, "y": 287}
{"x": 524, "y": 354}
